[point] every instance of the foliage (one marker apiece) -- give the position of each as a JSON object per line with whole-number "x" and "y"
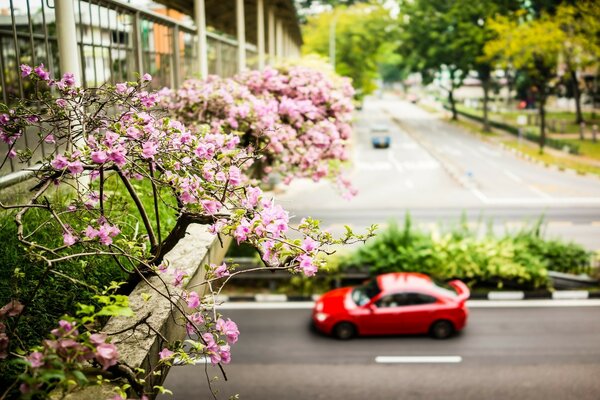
{"x": 365, "y": 36}
{"x": 533, "y": 46}
{"x": 513, "y": 260}
{"x": 112, "y": 137}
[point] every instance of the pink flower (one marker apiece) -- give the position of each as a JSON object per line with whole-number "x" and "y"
{"x": 25, "y": 70}
{"x": 309, "y": 244}
{"x": 220, "y": 271}
{"x": 165, "y": 354}
{"x": 90, "y": 232}
{"x": 39, "y": 70}
{"x": 241, "y": 232}
{"x": 69, "y": 239}
{"x": 75, "y": 167}
{"x": 306, "y": 265}
{"x": 149, "y": 149}
{"x": 146, "y": 77}
{"x": 36, "y": 359}
{"x": 49, "y": 139}
{"x": 106, "y": 355}
{"x": 60, "y": 162}
{"x": 64, "y": 328}
{"x": 193, "y": 300}
{"x": 225, "y": 353}
{"x": 69, "y": 79}
{"x": 229, "y": 329}
{"x": 210, "y": 207}
{"x": 235, "y": 176}
{"x": 121, "y": 88}
{"x": 98, "y": 338}
{"x": 179, "y": 276}
{"x": 252, "y": 196}
{"x": 99, "y": 157}
{"x": 11, "y": 309}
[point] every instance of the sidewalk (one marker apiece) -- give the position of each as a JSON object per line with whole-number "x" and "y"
{"x": 503, "y": 136}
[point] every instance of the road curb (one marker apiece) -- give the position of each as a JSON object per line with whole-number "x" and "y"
{"x": 491, "y": 295}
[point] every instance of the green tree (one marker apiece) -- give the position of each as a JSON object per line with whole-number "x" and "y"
{"x": 533, "y": 46}
{"x": 449, "y": 36}
{"x": 431, "y": 43}
{"x": 580, "y": 23}
{"x": 364, "y": 35}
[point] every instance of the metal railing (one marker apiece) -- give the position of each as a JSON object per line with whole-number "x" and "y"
{"x": 116, "y": 41}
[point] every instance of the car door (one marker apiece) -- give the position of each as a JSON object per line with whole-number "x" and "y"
{"x": 417, "y": 314}
{"x": 382, "y": 319}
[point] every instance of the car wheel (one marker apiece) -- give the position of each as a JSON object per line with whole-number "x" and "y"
{"x": 441, "y": 329}
{"x": 344, "y": 331}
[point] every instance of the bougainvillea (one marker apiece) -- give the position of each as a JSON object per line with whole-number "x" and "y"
{"x": 116, "y": 136}
{"x": 299, "y": 118}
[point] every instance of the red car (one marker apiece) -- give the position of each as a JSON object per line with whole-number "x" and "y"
{"x": 395, "y": 303}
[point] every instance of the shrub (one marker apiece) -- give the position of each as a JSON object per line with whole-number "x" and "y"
{"x": 520, "y": 260}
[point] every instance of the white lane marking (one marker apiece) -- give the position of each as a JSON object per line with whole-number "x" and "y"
{"x": 539, "y": 192}
{"x": 450, "y": 150}
{"x": 512, "y": 176}
{"x": 373, "y": 166}
{"x": 489, "y": 152}
{"x": 395, "y": 162}
{"x": 404, "y": 146}
{"x": 305, "y": 305}
{"x": 418, "y": 359}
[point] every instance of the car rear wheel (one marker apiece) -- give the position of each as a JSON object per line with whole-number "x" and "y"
{"x": 344, "y": 331}
{"x": 441, "y": 329}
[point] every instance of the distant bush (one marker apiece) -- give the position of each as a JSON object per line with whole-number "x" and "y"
{"x": 555, "y": 254}
{"x": 520, "y": 260}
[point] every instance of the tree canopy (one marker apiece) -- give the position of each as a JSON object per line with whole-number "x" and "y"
{"x": 365, "y": 35}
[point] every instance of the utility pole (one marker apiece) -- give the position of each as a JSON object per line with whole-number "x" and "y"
{"x": 332, "y": 40}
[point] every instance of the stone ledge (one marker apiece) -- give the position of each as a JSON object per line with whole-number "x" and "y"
{"x": 140, "y": 348}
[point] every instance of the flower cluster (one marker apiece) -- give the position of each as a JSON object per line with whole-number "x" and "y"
{"x": 116, "y": 153}
{"x": 299, "y": 116}
{"x": 66, "y": 351}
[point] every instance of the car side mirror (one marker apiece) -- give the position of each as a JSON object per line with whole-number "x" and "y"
{"x": 372, "y": 307}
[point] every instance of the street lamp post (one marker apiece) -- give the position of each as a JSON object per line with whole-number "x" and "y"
{"x": 332, "y": 41}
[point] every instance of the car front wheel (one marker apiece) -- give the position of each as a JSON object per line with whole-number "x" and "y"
{"x": 441, "y": 329}
{"x": 344, "y": 331}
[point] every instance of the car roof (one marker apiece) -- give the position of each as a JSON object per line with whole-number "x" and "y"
{"x": 403, "y": 281}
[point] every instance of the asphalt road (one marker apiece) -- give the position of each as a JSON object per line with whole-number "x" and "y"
{"x": 507, "y": 353}
{"x": 437, "y": 172}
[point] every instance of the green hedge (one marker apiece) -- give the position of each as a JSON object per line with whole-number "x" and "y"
{"x": 520, "y": 260}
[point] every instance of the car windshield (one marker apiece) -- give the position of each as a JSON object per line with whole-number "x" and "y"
{"x": 361, "y": 295}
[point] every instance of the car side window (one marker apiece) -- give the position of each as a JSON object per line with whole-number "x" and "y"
{"x": 393, "y": 300}
{"x": 421, "y": 298}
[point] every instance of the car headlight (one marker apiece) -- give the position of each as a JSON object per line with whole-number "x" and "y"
{"x": 321, "y": 316}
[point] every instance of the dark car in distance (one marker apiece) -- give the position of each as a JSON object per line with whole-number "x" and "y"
{"x": 392, "y": 304}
